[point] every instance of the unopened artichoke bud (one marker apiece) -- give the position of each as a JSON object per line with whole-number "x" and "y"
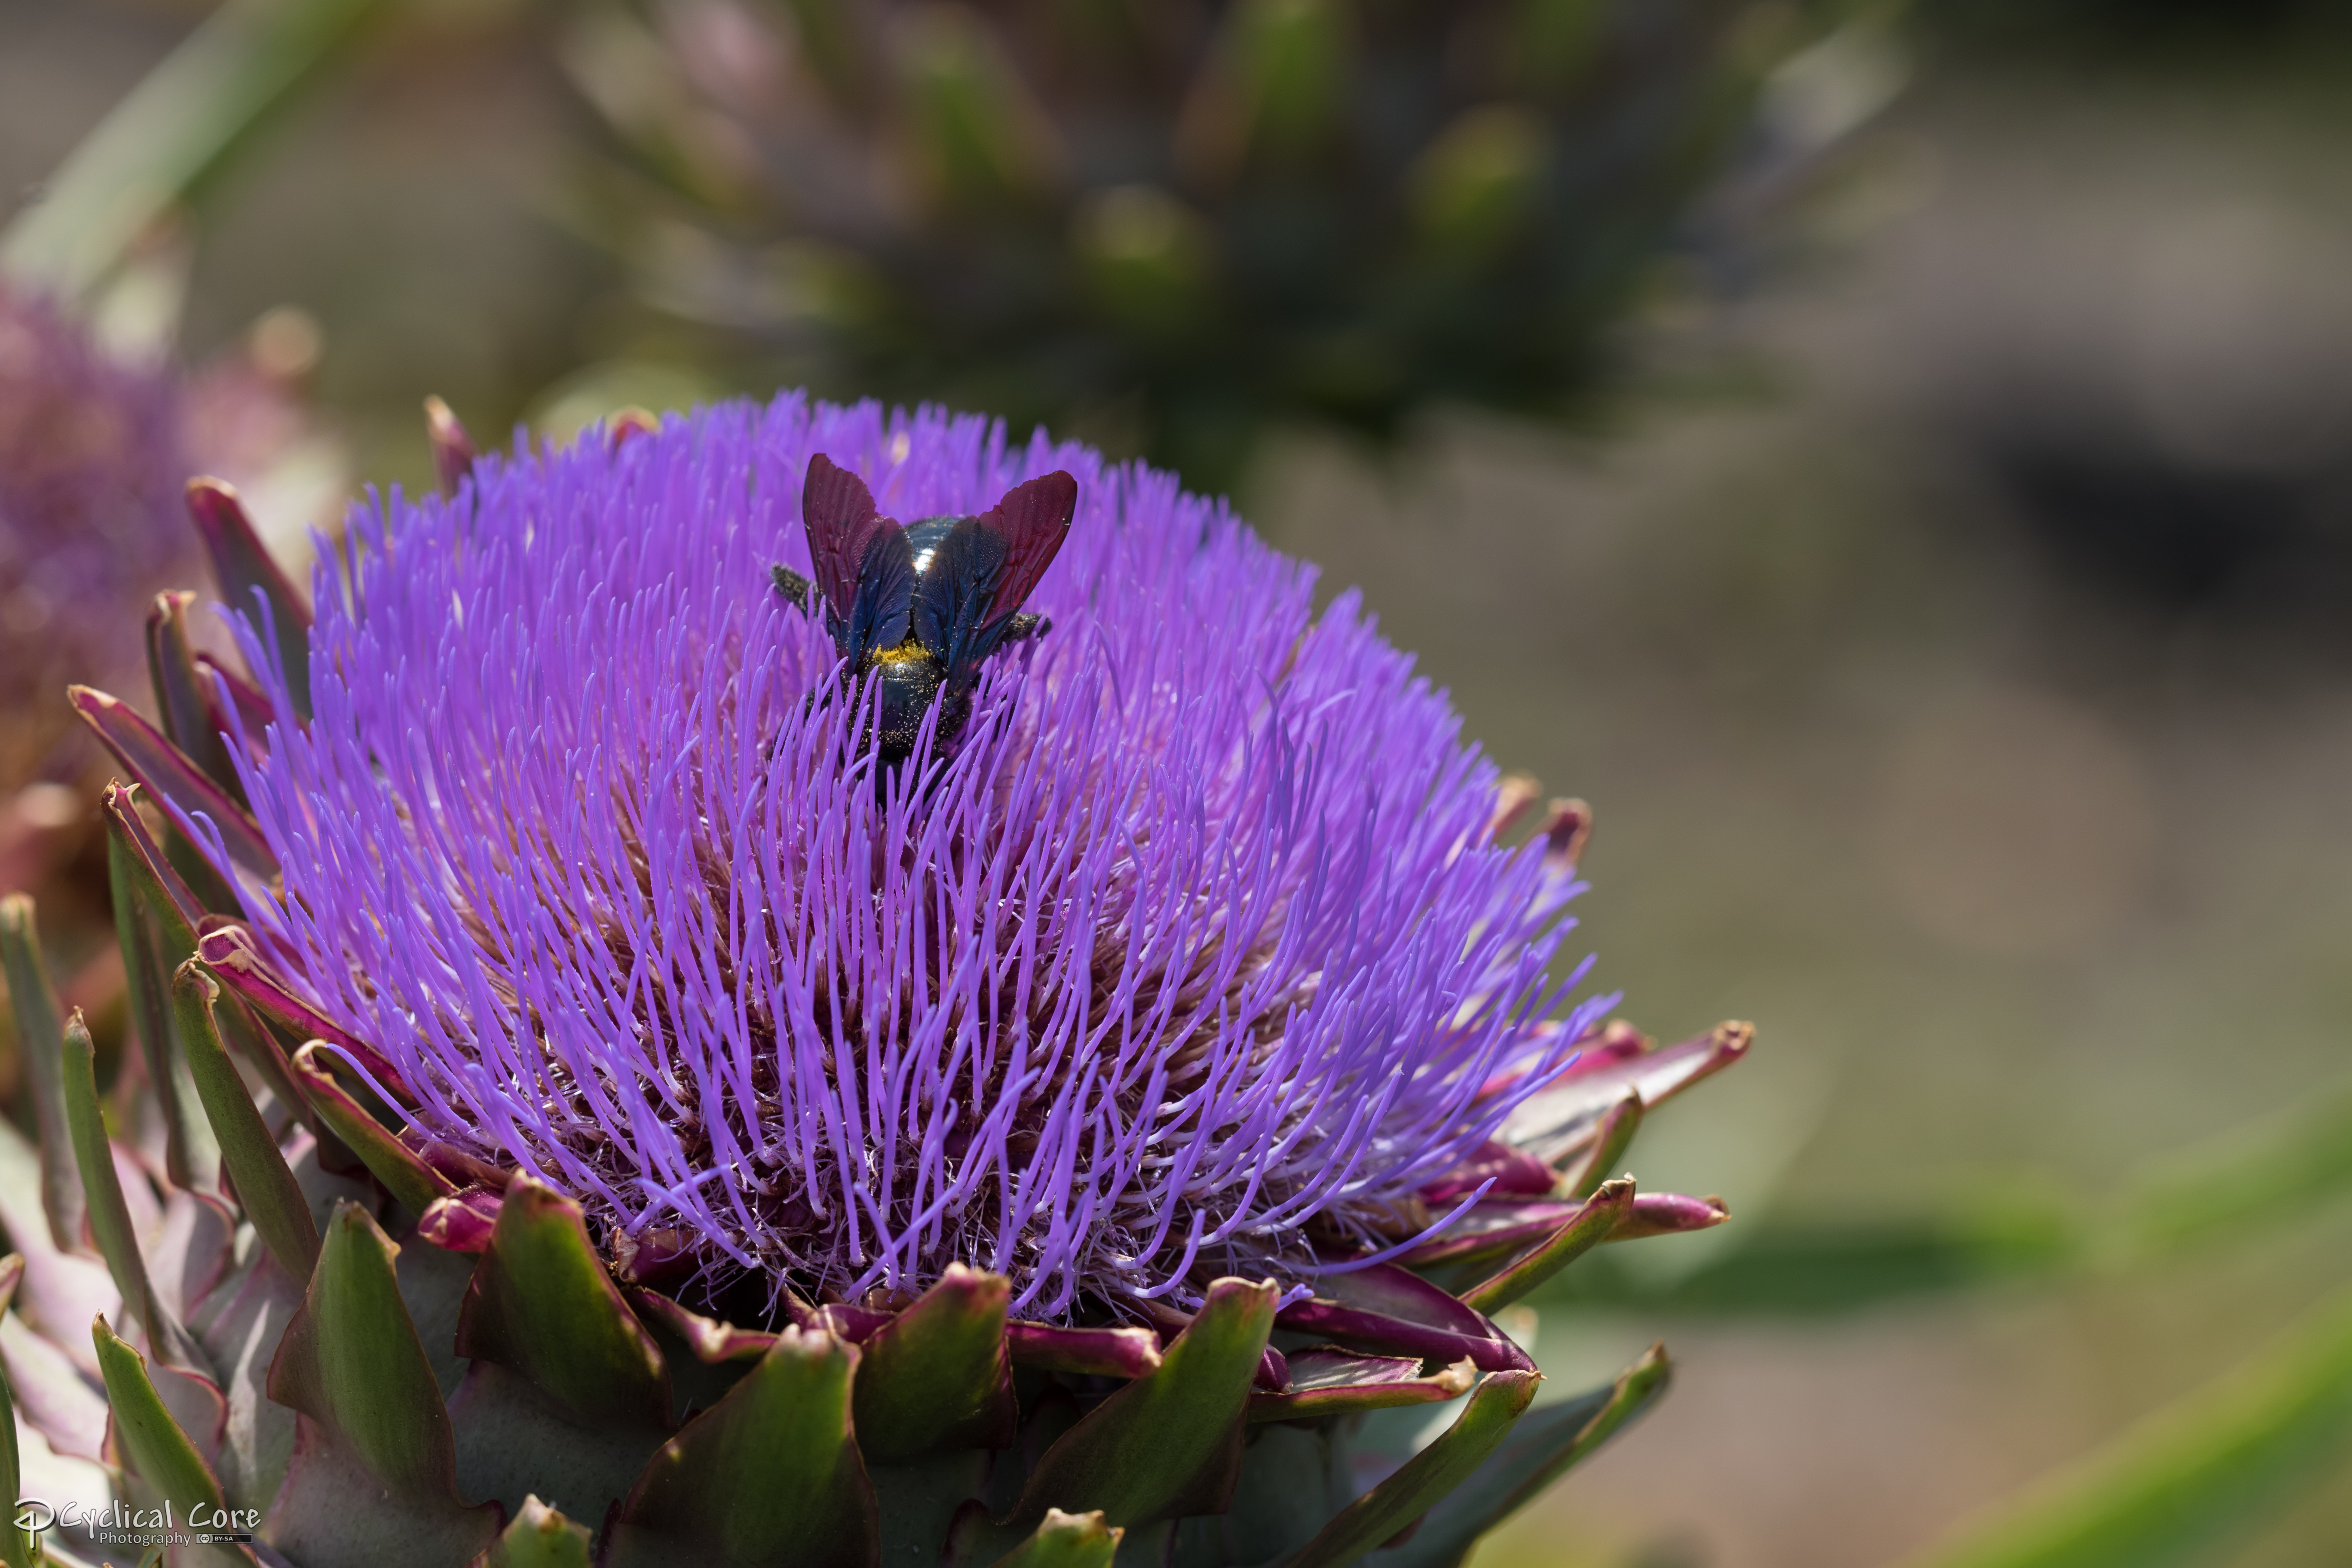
{"x": 815, "y": 986}
{"x": 1187, "y": 223}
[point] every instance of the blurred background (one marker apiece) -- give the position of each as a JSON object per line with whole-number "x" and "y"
{"x": 1894, "y": 464}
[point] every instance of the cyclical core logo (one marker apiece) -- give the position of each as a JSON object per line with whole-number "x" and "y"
{"x": 32, "y": 1515}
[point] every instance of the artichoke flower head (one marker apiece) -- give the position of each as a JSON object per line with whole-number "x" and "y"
{"x": 1066, "y": 1133}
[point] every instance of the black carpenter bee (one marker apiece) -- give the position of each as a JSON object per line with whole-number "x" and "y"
{"x": 924, "y": 605}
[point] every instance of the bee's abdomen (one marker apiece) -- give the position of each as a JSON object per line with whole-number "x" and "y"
{"x": 909, "y": 685}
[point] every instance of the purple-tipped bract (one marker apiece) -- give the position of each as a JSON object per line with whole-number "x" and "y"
{"x": 1197, "y": 958}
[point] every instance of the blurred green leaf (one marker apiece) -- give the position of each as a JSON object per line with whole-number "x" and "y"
{"x": 2196, "y": 1479}
{"x": 1146, "y": 255}
{"x": 2278, "y": 1172}
{"x": 176, "y": 129}
{"x": 40, "y": 1039}
{"x": 17, "y": 1549}
{"x": 1799, "y": 1267}
{"x": 2250, "y": 1179}
{"x": 1291, "y": 59}
{"x": 981, "y": 142}
{"x": 828, "y": 32}
{"x": 1477, "y": 182}
{"x": 1555, "y": 40}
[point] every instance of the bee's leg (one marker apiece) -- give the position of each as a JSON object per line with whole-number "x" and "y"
{"x": 1023, "y": 627}
{"x": 790, "y": 584}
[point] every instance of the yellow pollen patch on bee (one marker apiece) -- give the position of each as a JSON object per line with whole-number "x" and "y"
{"x": 905, "y": 652}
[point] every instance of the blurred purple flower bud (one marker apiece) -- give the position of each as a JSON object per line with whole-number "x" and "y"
{"x": 89, "y": 520}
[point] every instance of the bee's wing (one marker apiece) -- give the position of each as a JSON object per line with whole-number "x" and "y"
{"x": 986, "y": 567}
{"x": 838, "y": 511}
{"x": 886, "y": 590}
{"x": 952, "y": 598}
{"x": 864, "y": 568}
{"x": 1033, "y": 519}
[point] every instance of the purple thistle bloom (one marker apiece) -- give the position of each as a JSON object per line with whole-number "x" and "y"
{"x": 89, "y": 519}
{"x": 1198, "y": 956}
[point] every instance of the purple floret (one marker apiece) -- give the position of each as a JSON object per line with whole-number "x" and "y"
{"x": 1197, "y": 957}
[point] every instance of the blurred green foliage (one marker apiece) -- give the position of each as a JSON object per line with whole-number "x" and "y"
{"x": 165, "y": 143}
{"x": 2247, "y": 1181}
{"x": 2192, "y": 1484}
{"x": 2196, "y": 1481}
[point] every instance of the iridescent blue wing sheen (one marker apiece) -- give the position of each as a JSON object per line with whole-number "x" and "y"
{"x": 886, "y": 592}
{"x": 985, "y": 569}
{"x": 952, "y": 599}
